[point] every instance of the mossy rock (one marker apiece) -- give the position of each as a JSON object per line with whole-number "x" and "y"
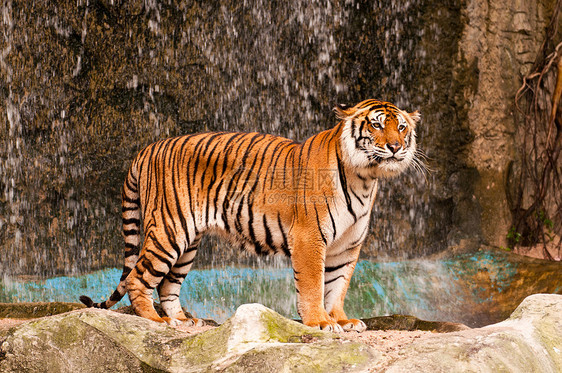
{"x": 254, "y": 339}
{"x": 32, "y": 310}
{"x": 404, "y": 322}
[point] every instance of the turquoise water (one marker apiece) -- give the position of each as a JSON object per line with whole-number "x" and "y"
{"x": 428, "y": 289}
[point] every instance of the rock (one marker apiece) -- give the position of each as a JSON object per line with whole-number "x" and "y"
{"x": 32, "y": 310}
{"x": 255, "y": 339}
{"x": 529, "y": 341}
{"x": 403, "y": 322}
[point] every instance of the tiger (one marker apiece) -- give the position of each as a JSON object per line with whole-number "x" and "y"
{"x": 309, "y": 201}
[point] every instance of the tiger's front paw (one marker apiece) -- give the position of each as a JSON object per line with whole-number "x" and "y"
{"x": 328, "y": 326}
{"x": 353, "y": 325}
{"x": 173, "y": 322}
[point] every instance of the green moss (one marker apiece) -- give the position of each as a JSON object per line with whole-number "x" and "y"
{"x": 318, "y": 357}
{"x": 205, "y": 348}
{"x": 549, "y": 333}
{"x": 281, "y": 329}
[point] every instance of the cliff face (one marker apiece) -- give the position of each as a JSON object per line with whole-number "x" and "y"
{"x": 501, "y": 42}
{"x": 85, "y": 85}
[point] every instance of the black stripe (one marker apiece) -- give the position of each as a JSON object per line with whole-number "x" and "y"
{"x": 178, "y": 276}
{"x": 131, "y": 221}
{"x": 181, "y": 216}
{"x": 262, "y": 155}
{"x": 268, "y": 237}
{"x": 150, "y": 268}
{"x": 135, "y": 201}
{"x": 361, "y": 237}
{"x": 257, "y": 245}
{"x": 126, "y": 271}
{"x": 130, "y": 232}
{"x": 131, "y": 252}
{"x": 250, "y": 173}
{"x": 274, "y": 168}
{"x": 331, "y": 218}
{"x": 176, "y": 197}
{"x": 172, "y": 240}
{"x": 209, "y": 156}
{"x": 152, "y": 158}
{"x": 332, "y": 269}
{"x": 284, "y": 245}
{"x": 116, "y": 296}
{"x": 170, "y": 297}
{"x": 180, "y": 265}
{"x": 356, "y": 196}
{"x": 189, "y": 196}
{"x": 332, "y": 280}
{"x": 209, "y": 188}
{"x": 343, "y": 183}
{"x": 216, "y": 199}
{"x": 161, "y": 248}
{"x": 237, "y": 220}
{"x": 197, "y": 152}
{"x": 173, "y": 280}
{"x": 131, "y": 246}
{"x": 320, "y": 226}
{"x": 146, "y": 284}
{"x": 274, "y": 153}
{"x": 228, "y": 149}
{"x": 289, "y": 153}
{"x": 132, "y": 188}
{"x": 171, "y": 235}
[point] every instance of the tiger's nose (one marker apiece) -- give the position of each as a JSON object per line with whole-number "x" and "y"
{"x": 393, "y": 147}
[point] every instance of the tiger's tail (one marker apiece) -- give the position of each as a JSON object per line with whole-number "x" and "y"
{"x": 131, "y": 215}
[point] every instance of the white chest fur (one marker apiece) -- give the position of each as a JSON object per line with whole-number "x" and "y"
{"x": 352, "y": 216}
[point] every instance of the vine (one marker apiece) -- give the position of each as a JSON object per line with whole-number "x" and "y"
{"x": 536, "y": 196}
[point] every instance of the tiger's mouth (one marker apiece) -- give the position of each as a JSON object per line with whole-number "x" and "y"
{"x": 377, "y": 159}
{"x": 393, "y": 158}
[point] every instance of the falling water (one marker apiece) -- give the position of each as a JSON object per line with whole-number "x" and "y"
{"x": 86, "y": 85}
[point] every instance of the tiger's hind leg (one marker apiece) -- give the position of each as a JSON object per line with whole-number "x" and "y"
{"x": 169, "y": 288}
{"x": 153, "y": 264}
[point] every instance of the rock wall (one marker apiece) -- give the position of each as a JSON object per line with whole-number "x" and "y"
{"x": 84, "y": 85}
{"x": 500, "y": 43}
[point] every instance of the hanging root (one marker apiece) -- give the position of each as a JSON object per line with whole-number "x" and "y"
{"x": 538, "y": 187}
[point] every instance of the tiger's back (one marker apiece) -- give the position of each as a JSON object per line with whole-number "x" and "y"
{"x": 239, "y": 184}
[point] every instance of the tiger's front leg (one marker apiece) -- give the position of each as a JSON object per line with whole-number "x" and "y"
{"x": 308, "y": 265}
{"x": 337, "y": 274}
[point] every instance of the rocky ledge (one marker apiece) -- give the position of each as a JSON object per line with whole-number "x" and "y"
{"x": 256, "y": 339}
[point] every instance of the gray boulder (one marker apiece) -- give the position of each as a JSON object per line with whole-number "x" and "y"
{"x": 529, "y": 341}
{"x": 255, "y": 339}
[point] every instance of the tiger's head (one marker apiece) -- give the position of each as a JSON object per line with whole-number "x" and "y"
{"x": 379, "y": 137}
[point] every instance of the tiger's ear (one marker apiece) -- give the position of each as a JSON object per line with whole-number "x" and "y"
{"x": 416, "y": 116}
{"x": 343, "y": 111}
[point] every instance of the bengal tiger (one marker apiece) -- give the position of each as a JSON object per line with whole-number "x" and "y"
{"x": 310, "y": 201}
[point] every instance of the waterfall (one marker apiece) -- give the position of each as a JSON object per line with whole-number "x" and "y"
{"x": 87, "y": 85}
